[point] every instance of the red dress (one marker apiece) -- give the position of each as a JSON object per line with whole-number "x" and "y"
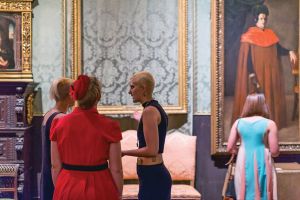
{"x": 83, "y": 138}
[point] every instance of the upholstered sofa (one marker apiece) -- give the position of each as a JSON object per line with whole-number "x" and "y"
{"x": 179, "y": 158}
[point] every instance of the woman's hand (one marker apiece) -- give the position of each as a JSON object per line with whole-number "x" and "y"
{"x": 234, "y": 150}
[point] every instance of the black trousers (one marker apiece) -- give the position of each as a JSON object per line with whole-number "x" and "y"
{"x": 154, "y": 182}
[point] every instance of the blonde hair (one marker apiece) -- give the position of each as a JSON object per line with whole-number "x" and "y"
{"x": 145, "y": 79}
{"x": 255, "y": 104}
{"x": 93, "y": 94}
{"x": 60, "y": 88}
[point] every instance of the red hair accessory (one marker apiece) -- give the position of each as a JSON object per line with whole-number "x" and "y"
{"x": 80, "y": 87}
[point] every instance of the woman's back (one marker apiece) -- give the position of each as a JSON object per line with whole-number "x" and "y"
{"x": 252, "y": 132}
{"x": 254, "y": 168}
{"x": 47, "y": 186}
{"x": 83, "y": 138}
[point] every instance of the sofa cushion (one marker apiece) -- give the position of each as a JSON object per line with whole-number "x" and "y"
{"x": 177, "y": 147}
{"x": 180, "y": 156}
{"x": 130, "y": 191}
{"x": 129, "y": 162}
{"x": 184, "y": 192}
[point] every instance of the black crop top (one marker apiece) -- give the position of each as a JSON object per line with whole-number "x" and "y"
{"x": 162, "y": 127}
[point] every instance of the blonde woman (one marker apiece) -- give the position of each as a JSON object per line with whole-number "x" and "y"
{"x": 154, "y": 178}
{"x": 59, "y": 92}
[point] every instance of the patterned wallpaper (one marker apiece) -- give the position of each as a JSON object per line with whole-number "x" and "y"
{"x": 202, "y": 82}
{"x": 119, "y": 49}
{"x": 47, "y": 56}
{"x": 122, "y": 37}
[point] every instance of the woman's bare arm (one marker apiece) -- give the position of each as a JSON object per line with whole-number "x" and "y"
{"x": 233, "y": 137}
{"x": 115, "y": 165}
{"x": 55, "y": 161}
{"x": 151, "y": 119}
{"x": 273, "y": 138}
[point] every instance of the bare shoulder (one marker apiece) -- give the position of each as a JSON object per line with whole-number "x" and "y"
{"x": 58, "y": 118}
{"x": 236, "y": 122}
{"x": 60, "y": 115}
{"x": 271, "y": 124}
{"x": 151, "y": 112}
{"x": 47, "y": 115}
{"x": 234, "y": 125}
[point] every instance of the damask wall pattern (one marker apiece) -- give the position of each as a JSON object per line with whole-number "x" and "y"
{"x": 122, "y": 37}
{"x": 47, "y": 55}
{"x": 202, "y": 42}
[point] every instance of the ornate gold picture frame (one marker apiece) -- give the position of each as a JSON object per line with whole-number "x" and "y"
{"x": 15, "y": 49}
{"x": 123, "y": 108}
{"x": 227, "y": 29}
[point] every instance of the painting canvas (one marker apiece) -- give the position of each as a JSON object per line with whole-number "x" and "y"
{"x": 10, "y": 41}
{"x": 15, "y": 41}
{"x": 255, "y": 49}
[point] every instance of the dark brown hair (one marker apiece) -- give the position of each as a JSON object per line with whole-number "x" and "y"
{"x": 93, "y": 94}
{"x": 255, "y": 104}
{"x": 259, "y": 9}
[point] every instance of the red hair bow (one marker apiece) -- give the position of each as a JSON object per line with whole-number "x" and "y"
{"x": 80, "y": 87}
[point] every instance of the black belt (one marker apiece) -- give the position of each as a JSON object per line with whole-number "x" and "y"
{"x": 85, "y": 168}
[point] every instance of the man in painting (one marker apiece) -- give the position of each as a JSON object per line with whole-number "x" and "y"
{"x": 6, "y": 52}
{"x": 258, "y": 54}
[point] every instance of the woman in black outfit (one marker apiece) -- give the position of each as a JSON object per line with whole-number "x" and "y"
{"x": 154, "y": 178}
{"x": 59, "y": 92}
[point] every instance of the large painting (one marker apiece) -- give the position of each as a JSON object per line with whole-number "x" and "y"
{"x": 15, "y": 40}
{"x": 132, "y": 35}
{"x": 255, "y": 49}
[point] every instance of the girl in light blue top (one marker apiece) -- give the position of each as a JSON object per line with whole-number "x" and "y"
{"x": 255, "y": 176}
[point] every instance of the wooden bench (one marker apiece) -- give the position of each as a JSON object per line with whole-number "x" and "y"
{"x": 179, "y": 157}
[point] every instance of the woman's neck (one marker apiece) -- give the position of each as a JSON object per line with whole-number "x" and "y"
{"x": 61, "y": 106}
{"x": 146, "y": 99}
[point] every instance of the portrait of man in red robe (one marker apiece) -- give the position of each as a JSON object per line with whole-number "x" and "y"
{"x": 264, "y": 51}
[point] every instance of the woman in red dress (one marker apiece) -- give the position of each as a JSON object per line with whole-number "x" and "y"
{"x": 81, "y": 144}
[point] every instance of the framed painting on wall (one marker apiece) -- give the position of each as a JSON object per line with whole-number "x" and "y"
{"x": 15, "y": 40}
{"x": 254, "y": 54}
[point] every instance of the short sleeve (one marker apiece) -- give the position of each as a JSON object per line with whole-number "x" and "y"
{"x": 113, "y": 133}
{"x": 53, "y": 130}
